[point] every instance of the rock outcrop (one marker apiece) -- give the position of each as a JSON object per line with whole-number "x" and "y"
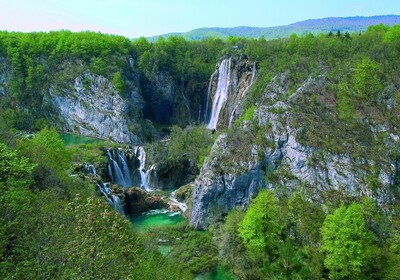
{"x": 168, "y": 176}
{"x": 280, "y": 162}
{"x": 94, "y": 108}
{"x": 4, "y": 76}
{"x": 137, "y": 201}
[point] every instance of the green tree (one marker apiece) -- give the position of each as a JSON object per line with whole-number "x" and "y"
{"x": 290, "y": 263}
{"x": 261, "y": 228}
{"x": 15, "y": 201}
{"x": 367, "y": 79}
{"x": 347, "y": 243}
{"x": 118, "y": 83}
{"x": 47, "y": 149}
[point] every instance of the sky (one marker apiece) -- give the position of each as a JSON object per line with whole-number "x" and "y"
{"x": 136, "y": 18}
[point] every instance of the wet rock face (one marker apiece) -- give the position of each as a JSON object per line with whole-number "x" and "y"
{"x": 94, "y": 108}
{"x": 159, "y": 95}
{"x": 228, "y": 181}
{"x": 138, "y": 201}
{"x": 181, "y": 173}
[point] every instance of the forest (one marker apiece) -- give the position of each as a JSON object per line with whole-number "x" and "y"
{"x": 54, "y": 224}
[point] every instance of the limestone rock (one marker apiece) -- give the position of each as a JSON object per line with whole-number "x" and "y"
{"x": 236, "y": 169}
{"x": 94, "y": 108}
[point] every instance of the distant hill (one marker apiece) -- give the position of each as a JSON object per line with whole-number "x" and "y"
{"x": 315, "y": 26}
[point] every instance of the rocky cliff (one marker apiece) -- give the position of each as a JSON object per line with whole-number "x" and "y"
{"x": 4, "y": 76}
{"x": 266, "y": 152}
{"x": 95, "y": 108}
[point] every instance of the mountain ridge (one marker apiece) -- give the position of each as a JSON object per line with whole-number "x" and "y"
{"x": 314, "y": 26}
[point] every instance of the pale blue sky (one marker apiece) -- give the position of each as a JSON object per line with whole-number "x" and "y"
{"x": 135, "y": 18}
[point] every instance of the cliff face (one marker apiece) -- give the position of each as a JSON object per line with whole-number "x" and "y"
{"x": 94, "y": 108}
{"x": 4, "y": 76}
{"x": 266, "y": 152}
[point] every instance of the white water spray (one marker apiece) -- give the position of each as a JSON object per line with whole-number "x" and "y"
{"x": 221, "y": 94}
{"x": 144, "y": 175}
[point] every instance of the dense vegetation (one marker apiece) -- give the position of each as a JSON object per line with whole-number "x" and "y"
{"x": 53, "y": 225}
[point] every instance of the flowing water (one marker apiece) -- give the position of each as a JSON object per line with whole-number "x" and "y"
{"x": 221, "y": 94}
{"x": 113, "y": 200}
{"x": 156, "y": 218}
{"x": 118, "y": 169}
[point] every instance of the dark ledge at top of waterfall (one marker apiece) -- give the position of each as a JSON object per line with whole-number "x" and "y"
{"x": 228, "y": 86}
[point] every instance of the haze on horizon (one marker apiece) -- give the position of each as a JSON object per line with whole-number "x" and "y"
{"x": 134, "y": 18}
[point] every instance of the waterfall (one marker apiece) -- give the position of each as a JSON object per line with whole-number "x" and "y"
{"x": 112, "y": 199}
{"x": 253, "y": 75}
{"x": 144, "y": 175}
{"x": 221, "y": 94}
{"x": 118, "y": 168}
{"x": 90, "y": 169}
{"x": 173, "y": 201}
{"x": 209, "y": 96}
{"x": 117, "y": 205}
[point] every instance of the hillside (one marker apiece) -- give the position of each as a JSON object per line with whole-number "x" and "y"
{"x": 314, "y": 26}
{"x": 282, "y": 156}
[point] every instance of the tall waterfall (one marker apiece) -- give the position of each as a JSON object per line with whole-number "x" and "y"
{"x": 118, "y": 168}
{"x": 140, "y": 153}
{"x": 112, "y": 199}
{"x": 221, "y": 94}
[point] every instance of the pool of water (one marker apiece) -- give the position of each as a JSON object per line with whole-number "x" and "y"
{"x": 75, "y": 139}
{"x": 161, "y": 218}
{"x": 156, "y": 218}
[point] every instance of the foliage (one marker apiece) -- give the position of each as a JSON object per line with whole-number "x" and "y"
{"x": 47, "y": 149}
{"x": 367, "y": 79}
{"x": 347, "y": 243}
{"x": 305, "y": 220}
{"x": 260, "y": 228}
{"x": 352, "y": 85}
{"x": 15, "y": 197}
{"x": 118, "y": 83}
{"x": 194, "y": 250}
{"x": 232, "y": 251}
{"x": 192, "y": 143}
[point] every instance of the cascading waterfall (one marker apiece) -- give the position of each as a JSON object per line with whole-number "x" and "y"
{"x": 221, "y": 94}
{"x": 173, "y": 201}
{"x": 253, "y": 75}
{"x": 112, "y": 199}
{"x": 118, "y": 168}
{"x": 144, "y": 175}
